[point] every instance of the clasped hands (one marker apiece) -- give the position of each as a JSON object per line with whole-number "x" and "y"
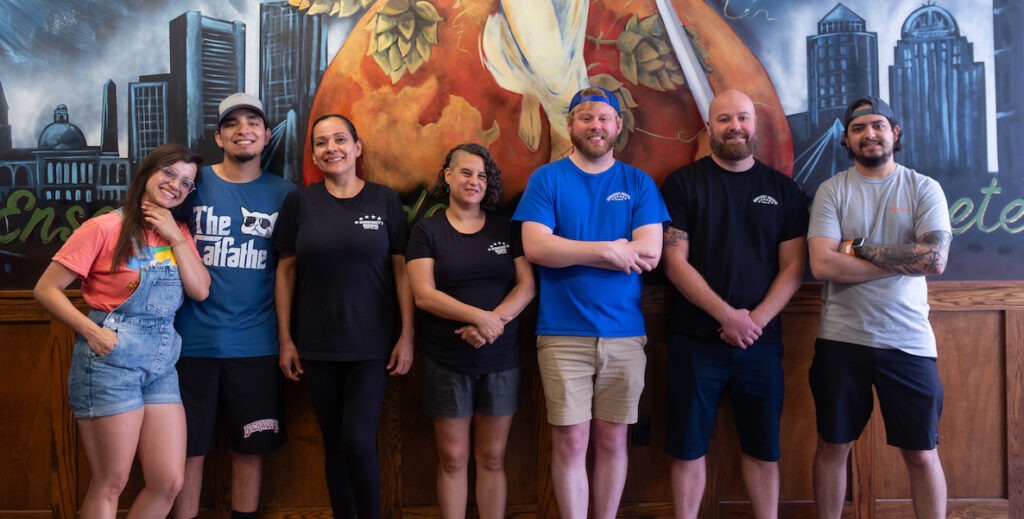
{"x": 738, "y": 328}
{"x": 485, "y": 329}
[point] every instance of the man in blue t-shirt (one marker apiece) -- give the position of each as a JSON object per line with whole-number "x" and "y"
{"x": 735, "y": 254}
{"x": 229, "y": 356}
{"x": 593, "y": 225}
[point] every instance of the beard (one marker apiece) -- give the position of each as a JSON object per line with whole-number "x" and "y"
{"x": 871, "y": 161}
{"x": 733, "y": 151}
{"x": 590, "y": 150}
{"x": 244, "y": 157}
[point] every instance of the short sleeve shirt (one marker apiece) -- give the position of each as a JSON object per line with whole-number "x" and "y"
{"x": 346, "y": 300}
{"x": 89, "y": 253}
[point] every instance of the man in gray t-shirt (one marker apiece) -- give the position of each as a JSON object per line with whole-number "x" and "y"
{"x": 876, "y": 230}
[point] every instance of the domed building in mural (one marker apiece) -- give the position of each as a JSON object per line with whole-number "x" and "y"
{"x": 61, "y": 134}
{"x": 63, "y": 167}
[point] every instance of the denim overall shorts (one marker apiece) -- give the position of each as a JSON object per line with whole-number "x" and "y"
{"x": 140, "y": 369}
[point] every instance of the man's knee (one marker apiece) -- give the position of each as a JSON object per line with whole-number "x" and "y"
{"x": 570, "y": 441}
{"x": 920, "y": 459}
{"x": 609, "y": 436}
{"x": 834, "y": 452}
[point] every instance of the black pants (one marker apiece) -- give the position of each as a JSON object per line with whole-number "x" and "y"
{"x": 347, "y": 399}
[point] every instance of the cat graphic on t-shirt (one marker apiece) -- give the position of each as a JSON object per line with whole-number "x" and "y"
{"x": 258, "y": 224}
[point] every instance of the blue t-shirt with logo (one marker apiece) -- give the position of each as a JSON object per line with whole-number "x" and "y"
{"x": 576, "y": 205}
{"x": 233, "y": 225}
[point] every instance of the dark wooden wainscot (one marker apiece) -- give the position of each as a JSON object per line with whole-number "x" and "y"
{"x": 980, "y": 330}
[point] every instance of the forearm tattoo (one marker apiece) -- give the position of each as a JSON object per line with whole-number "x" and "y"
{"x": 927, "y": 256}
{"x": 673, "y": 236}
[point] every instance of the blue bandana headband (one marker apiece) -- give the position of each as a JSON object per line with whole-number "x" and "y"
{"x": 609, "y": 99}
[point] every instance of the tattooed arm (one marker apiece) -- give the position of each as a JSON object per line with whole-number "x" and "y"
{"x": 925, "y": 257}
{"x": 738, "y": 328}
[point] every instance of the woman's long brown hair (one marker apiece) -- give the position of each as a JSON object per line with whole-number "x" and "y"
{"x": 133, "y": 224}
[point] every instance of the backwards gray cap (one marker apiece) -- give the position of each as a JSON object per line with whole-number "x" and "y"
{"x": 875, "y": 106}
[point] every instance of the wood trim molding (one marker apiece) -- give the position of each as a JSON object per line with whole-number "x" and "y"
{"x": 942, "y": 296}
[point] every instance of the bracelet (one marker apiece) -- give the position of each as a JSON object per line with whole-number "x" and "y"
{"x": 179, "y": 242}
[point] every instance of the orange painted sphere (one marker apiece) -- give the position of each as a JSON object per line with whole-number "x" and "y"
{"x": 407, "y": 126}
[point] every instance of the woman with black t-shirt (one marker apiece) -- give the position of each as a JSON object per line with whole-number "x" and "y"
{"x": 470, "y": 278}
{"x": 341, "y": 269}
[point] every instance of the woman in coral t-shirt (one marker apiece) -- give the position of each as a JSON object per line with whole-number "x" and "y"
{"x": 136, "y": 264}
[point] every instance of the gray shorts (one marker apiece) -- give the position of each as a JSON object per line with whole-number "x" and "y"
{"x": 450, "y": 394}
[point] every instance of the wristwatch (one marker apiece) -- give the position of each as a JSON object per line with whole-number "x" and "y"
{"x": 855, "y": 246}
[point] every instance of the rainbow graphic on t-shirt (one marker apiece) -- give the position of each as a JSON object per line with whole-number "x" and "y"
{"x": 162, "y": 255}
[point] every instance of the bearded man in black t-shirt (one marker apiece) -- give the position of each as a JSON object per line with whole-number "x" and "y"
{"x": 735, "y": 253}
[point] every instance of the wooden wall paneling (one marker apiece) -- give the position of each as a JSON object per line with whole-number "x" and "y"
{"x": 546, "y": 504}
{"x": 63, "y": 432}
{"x": 389, "y": 448}
{"x": 419, "y": 470}
{"x": 799, "y": 440}
{"x": 972, "y": 430}
{"x": 1015, "y": 410}
{"x": 979, "y": 326}
{"x": 37, "y": 478}
{"x": 522, "y": 455}
{"x": 29, "y": 464}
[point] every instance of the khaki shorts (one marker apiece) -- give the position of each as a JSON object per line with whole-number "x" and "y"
{"x": 591, "y": 377}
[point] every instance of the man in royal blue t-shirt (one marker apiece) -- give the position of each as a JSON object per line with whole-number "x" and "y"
{"x": 229, "y": 341}
{"x": 593, "y": 225}
{"x": 735, "y": 254}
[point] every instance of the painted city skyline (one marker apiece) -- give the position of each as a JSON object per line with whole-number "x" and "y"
{"x": 271, "y": 48}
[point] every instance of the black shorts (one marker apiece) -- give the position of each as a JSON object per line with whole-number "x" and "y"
{"x": 908, "y": 388}
{"x": 699, "y": 371}
{"x": 250, "y": 394}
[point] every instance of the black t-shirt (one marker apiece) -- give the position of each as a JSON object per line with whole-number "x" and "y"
{"x": 735, "y": 223}
{"x": 477, "y": 269}
{"x": 346, "y": 303}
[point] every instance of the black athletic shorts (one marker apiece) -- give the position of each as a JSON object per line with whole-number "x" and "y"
{"x": 908, "y": 388}
{"x": 249, "y": 393}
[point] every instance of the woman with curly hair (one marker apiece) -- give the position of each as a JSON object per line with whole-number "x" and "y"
{"x": 471, "y": 280}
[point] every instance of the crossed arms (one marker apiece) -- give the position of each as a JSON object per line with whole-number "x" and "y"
{"x": 639, "y": 254}
{"x": 925, "y": 257}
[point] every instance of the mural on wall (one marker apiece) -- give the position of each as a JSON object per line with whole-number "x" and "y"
{"x": 88, "y": 88}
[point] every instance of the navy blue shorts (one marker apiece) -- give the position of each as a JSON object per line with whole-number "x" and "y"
{"x": 699, "y": 371}
{"x": 908, "y": 388}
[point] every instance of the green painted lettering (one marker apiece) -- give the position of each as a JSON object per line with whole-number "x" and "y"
{"x": 960, "y": 212}
{"x": 1005, "y": 219}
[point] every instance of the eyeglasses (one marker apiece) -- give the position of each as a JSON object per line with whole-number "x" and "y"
{"x": 171, "y": 174}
